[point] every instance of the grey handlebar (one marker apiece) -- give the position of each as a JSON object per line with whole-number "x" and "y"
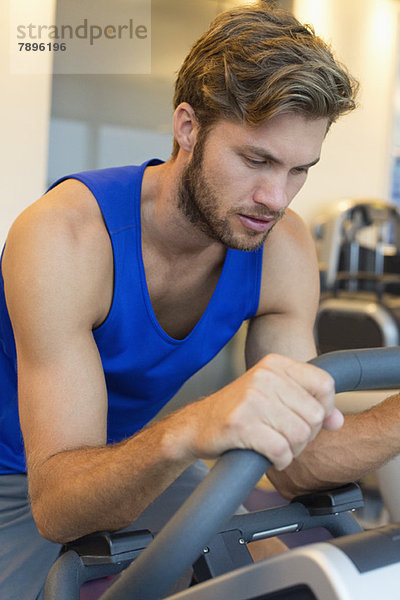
{"x": 181, "y": 541}
{"x": 367, "y": 369}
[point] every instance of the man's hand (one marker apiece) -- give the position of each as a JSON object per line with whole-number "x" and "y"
{"x": 276, "y": 408}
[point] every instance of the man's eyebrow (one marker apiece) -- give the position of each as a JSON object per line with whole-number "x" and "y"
{"x": 262, "y": 153}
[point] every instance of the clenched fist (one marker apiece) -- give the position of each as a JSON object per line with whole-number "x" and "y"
{"x": 275, "y": 408}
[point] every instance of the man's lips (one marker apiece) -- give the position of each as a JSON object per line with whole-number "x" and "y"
{"x": 259, "y": 224}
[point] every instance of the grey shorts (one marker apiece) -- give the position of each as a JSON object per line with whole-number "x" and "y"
{"x": 26, "y": 557}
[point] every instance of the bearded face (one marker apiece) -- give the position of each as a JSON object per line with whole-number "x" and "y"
{"x": 203, "y": 207}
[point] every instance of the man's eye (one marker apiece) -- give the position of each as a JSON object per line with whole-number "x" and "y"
{"x": 300, "y": 170}
{"x": 254, "y": 162}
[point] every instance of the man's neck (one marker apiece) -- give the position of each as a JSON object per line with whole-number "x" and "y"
{"x": 164, "y": 227}
{"x": 182, "y": 265}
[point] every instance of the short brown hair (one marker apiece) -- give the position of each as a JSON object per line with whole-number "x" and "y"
{"x": 255, "y": 62}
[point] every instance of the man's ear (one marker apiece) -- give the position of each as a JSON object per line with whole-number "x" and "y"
{"x": 185, "y": 126}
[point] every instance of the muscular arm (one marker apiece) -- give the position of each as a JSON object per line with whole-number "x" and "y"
{"x": 365, "y": 442}
{"x": 285, "y": 323}
{"x": 56, "y": 266}
{"x": 289, "y": 295}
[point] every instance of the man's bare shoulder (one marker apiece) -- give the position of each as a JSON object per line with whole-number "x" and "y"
{"x": 62, "y": 239}
{"x": 290, "y": 269}
{"x": 69, "y": 208}
{"x": 289, "y": 235}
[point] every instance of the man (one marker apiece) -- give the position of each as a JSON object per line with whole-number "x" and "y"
{"x": 119, "y": 284}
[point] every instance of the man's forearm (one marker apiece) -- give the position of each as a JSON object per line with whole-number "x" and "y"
{"x": 80, "y": 491}
{"x": 365, "y": 442}
{"x": 75, "y": 492}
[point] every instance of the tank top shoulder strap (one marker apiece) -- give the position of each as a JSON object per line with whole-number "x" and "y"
{"x": 115, "y": 190}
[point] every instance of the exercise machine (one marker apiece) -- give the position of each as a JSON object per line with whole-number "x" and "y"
{"x": 358, "y": 246}
{"x": 359, "y": 565}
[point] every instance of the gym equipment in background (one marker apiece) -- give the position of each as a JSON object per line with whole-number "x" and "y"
{"x": 358, "y": 247}
{"x": 355, "y": 567}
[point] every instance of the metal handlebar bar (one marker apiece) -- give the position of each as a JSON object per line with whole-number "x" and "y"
{"x": 181, "y": 541}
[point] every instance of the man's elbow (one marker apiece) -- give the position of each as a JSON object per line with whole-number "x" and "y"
{"x": 47, "y": 524}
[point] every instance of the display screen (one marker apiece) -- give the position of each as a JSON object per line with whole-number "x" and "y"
{"x": 299, "y": 592}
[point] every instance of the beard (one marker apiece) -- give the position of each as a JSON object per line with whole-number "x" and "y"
{"x": 198, "y": 202}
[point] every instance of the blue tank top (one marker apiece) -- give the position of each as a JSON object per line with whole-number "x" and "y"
{"x": 144, "y": 367}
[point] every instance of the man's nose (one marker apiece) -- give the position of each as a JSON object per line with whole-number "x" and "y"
{"x": 272, "y": 193}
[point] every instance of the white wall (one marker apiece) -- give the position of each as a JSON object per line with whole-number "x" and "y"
{"x": 81, "y": 145}
{"x": 356, "y": 158}
{"x": 25, "y": 110}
